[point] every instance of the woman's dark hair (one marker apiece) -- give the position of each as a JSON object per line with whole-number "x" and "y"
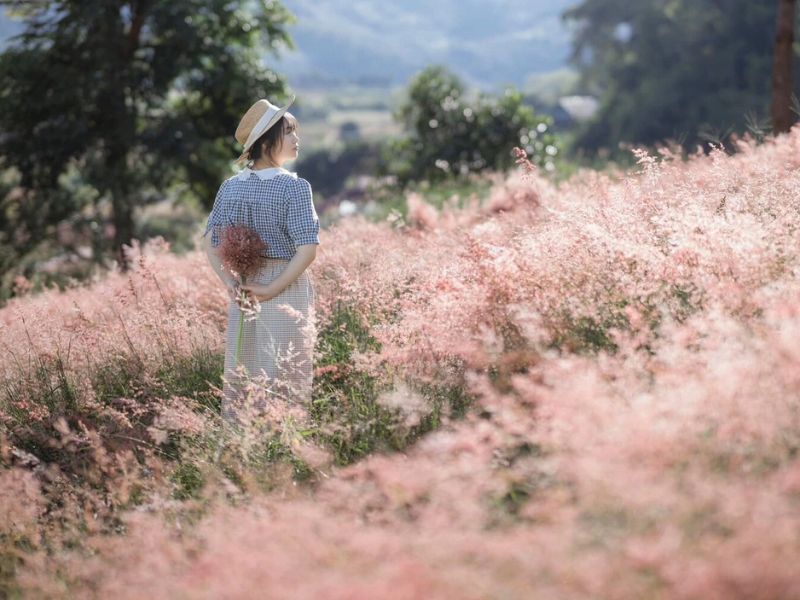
{"x": 271, "y": 139}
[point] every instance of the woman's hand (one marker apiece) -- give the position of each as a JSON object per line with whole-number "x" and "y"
{"x": 262, "y": 293}
{"x": 233, "y": 290}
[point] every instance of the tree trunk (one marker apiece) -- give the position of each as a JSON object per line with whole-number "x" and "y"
{"x": 124, "y": 130}
{"x": 119, "y": 184}
{"x": 118, "y": 178}
{"x": 782, "y": 84}
{"x": 123, "y": 227}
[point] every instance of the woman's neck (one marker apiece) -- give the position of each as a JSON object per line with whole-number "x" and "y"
{"x": 258, "y": 167}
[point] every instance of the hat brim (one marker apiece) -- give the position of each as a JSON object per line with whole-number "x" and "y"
{"x": 275, "y": 118}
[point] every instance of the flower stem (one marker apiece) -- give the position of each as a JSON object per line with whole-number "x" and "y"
{"x": 241, "y": 325}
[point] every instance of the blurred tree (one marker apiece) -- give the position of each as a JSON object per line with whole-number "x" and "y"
{"x": 349, "y": 131}
{"x": 782, "y": 80}
{"x": 447, "y": 135}
{"x": 131, "y": 94}
{"x": 330, "y": 169}
{"x": 686, "y": 70}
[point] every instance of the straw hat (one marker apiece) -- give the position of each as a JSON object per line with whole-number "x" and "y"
{"x": 256, "y": 121}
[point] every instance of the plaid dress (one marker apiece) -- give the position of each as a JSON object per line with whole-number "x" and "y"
{"x": 277, "y": 346}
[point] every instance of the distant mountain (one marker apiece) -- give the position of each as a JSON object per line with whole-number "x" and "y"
{"x": 487, "y": 42}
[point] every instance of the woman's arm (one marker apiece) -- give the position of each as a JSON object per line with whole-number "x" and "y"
{"x": 226, "y": 278}
{"x": 304, "y": 256}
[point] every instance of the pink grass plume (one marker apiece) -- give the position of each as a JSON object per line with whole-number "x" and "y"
{"x": 522, "y": 160}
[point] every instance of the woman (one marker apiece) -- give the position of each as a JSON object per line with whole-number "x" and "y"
{"x": 279, "y": 205}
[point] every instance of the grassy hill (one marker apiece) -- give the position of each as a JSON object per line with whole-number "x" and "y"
{"x": 583, "y": 390}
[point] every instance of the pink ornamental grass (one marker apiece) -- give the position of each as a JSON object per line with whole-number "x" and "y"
{"x": 521, "y": 158}
{"x": 664, "y": 469}
{"x": 241, "y": 252}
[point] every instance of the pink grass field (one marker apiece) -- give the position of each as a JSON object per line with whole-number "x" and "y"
{"x": 632, "y": 343}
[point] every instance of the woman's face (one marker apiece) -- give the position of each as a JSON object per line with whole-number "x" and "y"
{"x": 289, "y": 148}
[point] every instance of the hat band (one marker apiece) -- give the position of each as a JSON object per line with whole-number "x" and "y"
{"x": 259, "y": 128}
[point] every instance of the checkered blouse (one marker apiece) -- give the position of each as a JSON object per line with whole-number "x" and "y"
{"x": 275, "y": 202}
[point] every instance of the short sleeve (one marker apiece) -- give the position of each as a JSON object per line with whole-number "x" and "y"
{"x": 226, "y": 211}
{"x": 302, "y": 222}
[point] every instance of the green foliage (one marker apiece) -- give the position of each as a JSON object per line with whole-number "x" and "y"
{"x": 13, "y": 549}
{"x": 687, "y": 70}
{"x": 446, "y": 134}
{"x": 330, "y": 169}
{"x": 345, "y": 411}
{"x": 188, "y": 481}
{"x": 131, "y": 95}
{"x": 188, "y": 376}
{"x": 592, "y": 333}
{"x": 588, "y": 335}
